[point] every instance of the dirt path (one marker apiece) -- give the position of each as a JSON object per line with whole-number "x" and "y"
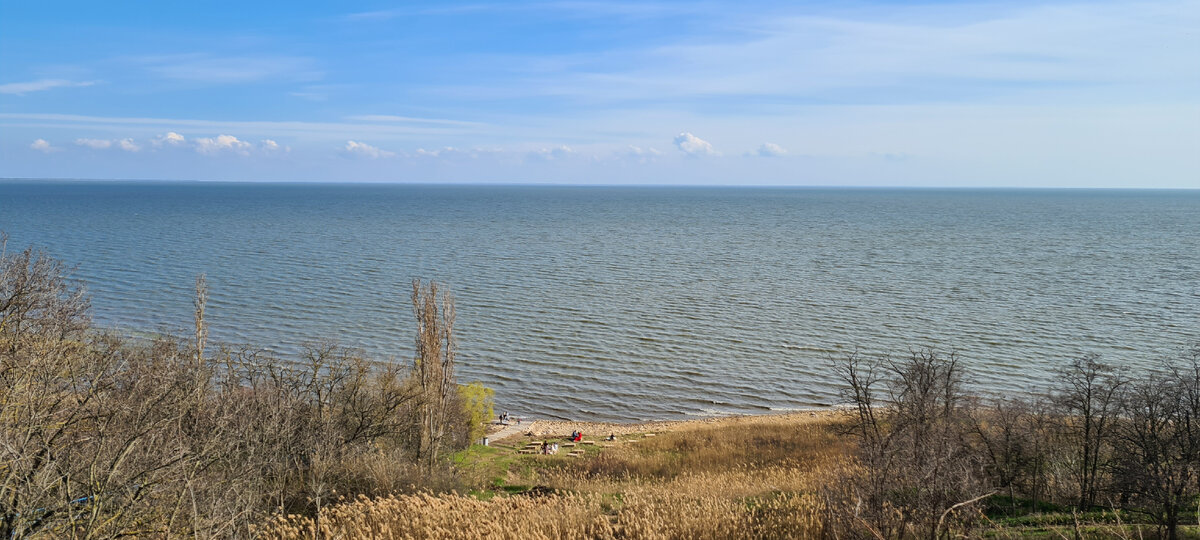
{"x": 506, "y": 431}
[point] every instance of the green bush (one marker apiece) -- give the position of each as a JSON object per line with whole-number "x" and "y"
{"x": 479, "y": 407}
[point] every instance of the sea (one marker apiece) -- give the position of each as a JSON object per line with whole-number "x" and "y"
{"x": 636, "y": 303}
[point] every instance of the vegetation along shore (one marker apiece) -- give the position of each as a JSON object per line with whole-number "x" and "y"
{"x": 103, "y": 436}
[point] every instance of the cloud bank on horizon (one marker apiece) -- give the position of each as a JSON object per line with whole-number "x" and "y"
{"x": 1102, "y": 94}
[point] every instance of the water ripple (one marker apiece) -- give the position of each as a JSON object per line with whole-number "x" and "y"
{"x": 627, "y": 304}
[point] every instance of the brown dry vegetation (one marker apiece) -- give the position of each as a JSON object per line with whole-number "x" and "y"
{"x": 931, "y": 463}
{"x": 737, "y": 478}
{"x": 104, "y": 437}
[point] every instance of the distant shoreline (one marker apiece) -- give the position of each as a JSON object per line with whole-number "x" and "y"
{"x": 814, "y": 187}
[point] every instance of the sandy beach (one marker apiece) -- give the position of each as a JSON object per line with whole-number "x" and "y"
{"x": 597, "y": 430}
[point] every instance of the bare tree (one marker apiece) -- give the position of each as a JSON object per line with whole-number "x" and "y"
{"x": 201, "y": 301}
{"x": 1089, "y": 401}
{"x": 38, "y": 300}
{"x": 433, "y": 366}
{"x": 1001, "y": 429}
{"x": 1158, "y": 443}
{"x": 101, "y": 437}
{"x": 866, "y": 496}
{"x": 1040, "y": 423}
{"x": 45, "y": 387}
{"x": 919, "y": 477}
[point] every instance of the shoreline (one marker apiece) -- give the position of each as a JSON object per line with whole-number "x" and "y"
{"x": 554, "y": 428}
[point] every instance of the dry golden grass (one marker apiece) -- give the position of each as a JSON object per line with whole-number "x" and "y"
{"x": 735, "y": 478}
{"x": 639, "y": 513}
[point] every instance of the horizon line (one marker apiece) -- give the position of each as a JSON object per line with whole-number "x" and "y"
{"x": 588, "y": 185}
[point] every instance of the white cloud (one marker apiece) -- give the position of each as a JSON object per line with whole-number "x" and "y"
{"x": 42, "y": 146}
{"x": 221, "y": 143}
{"x": 95, "y": 144}
{"x": 770, "y": 150}
{"x": 21, "y": 88}
{"x": 270, "y": 147}
{"x": 640, "y": 155}
{"x": 492, "y": 154}
{"x": 550, "y": 154}
{"x": 360, "y": 149}
{"x": 127, "y": 144}
{"x": 448, "y": 151}
{"x": 203, "y": 145}
{"x": 171, "y": 139}
{"x": 693, "y": 145}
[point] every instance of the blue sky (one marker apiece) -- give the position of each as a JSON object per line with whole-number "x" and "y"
{"x": 1098, "y": 94}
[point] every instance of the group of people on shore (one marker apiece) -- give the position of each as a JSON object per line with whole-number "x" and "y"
{"x": 551, "y": 448}
{"x": 577, "y": 436}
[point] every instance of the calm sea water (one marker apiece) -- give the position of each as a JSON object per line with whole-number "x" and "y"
{"x": 623, "y": 304}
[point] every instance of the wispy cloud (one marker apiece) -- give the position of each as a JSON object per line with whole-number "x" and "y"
{"x": 94, "y": 144}
{"x": 270, "y": 147}
{"x": 393, "y": 119}
{"x": 1128, "y": 52}
{"x": 310, "y": 95}
{"x": 554, "y": 9}
{"x": 770, "y": 150}
{"x": 446, "y": 152}
{"x": 553, "y": 153}
{"x": 364, "y": 150}
{"x": 211, "y": 69}
{"x": 639, "y": 154}
{"x": 377, "y": 15}
{"x": 22, "y": 88}
{"x": 318, "y": 130}
{"x": 462, "y": 9}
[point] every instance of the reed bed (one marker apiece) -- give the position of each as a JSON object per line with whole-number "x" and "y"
{"x": 651, "y": 514}
{"x": 730, "y": 479}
